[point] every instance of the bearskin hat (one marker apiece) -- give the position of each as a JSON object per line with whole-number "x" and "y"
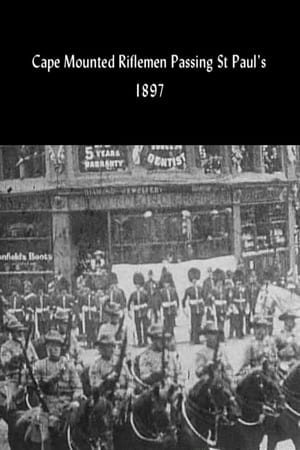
{"x": 194, "y": 274}
{"x": 138, "y": 278}
{"x": 167, "y": 278}
{"x": 113, "y": 278}
{"x": 62, "y": 284}
{"x": 38, "y": 284}
{"x": 268, "y": 274}
{"x": 238, "y": 276}
{"x": 15, "y": 285}
{"x": 219, "y": 275}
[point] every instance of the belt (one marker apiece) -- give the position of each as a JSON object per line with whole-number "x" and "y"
{"x": 16, "y": 310}
{"x": 220, "y": 302}
{"x": 40, "y": 310}
{"x": 239, "y": 300}
{"x": 168, "y": 304}
{"x": 89, "y": 308}
{"x": 141, "y": 306}
{"x": 196, "y": 301}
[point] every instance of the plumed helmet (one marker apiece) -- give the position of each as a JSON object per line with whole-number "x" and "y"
{"x": 238, "y": 276}
{"x": 138, "y": 278}
{"x": 194, "y": 274}
{"x": 38, "y": 284}
{"x": 15, "y": 285}
{"x": 113, "y": 278}
{"x": 219, "y": 275}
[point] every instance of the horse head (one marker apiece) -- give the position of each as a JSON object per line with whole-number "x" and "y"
{"x": 97, "y": 421}
{"x": 152, "y": 418}
{"x": 223, "y": 397}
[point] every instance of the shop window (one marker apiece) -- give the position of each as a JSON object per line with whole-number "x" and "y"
{"x": 209, "y": 159}
{"x": 264, "y": 227}
{"x": 272, "y": 158}
{"x": 23, "y": 161}
{"x": 242, "y": 158}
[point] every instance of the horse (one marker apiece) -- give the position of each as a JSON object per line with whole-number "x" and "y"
{"x": 148, "y": 423}
{"x": 261, "y": 400}
{"x": 287, "y": 425}
{"x": 209, "y": 412}
{"x": 86, "y": 428}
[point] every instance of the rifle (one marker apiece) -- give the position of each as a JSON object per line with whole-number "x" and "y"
{"x": 35, "y": 384}
{"x": 119, "y": 330}
{"x": 67, "y": 340}
{"x": 216, "y": 350}
{"x": 163, "y": 357}
{"x": 1, "y": 314}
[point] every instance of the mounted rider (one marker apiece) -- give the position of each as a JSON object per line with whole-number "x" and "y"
{"x": 261, "y": 346}
{"x": 288, "y": 342}
{"x": 58, "y": 381}
{"x": 212, "y": 353}
{"x": 12, "y": 360}
{"x": 158, "y": 364}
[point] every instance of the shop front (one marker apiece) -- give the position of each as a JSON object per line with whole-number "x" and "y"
{"x": 26, "y": 244}
{"x": 264, "y": 218}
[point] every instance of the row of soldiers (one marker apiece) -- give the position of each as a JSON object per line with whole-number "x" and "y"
{"x": 222, "y": 296}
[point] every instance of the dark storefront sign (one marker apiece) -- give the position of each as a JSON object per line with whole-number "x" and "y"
{"x": 159, "y": 157}
{"x": 261, "y": 194}
{"x": 102, "y": 158}
{"x": 25, "y": 203}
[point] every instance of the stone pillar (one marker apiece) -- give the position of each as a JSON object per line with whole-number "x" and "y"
{"x": 237, "y": 241}
{"x": 258, "y": 163}
{"x": 190, "y": 157}
{"x": 62, "y": 239}
{"x": 226, "y": 153}
{"x": 291, "y": 232}
{"x": 289, "y": 154}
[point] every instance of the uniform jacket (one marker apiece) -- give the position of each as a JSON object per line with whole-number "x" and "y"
{"x": 194, "y": 295}
{"x": 208, "y": 286}
{"x": 169, "y": 300}
{"x": 288, "y": 345}
{"x": 205, "y": 355}
{"x": 117, "y": 295}
{"x": 140, "y": 302}
{"x": 11, "y": 349}
{"x": 99, "y": 370}
{"x": 64, "y": 301}
{"x": 152, "y": 289}
{"x": 239, "y": 298}
{"x": 257, "y": 351}
{"x": 252, "y": 290}
{"x": 150, "y": 361}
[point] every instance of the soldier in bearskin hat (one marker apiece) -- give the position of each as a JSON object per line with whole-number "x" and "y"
{"x": 252, "y": 290}
{"x": 152, "y": 288}
{"x": 139, "y": 300}
{"x": 266, "y": 304}
{"x": 115, "y": 293}
{"x": 15, "y": 299}
{"x": 220, "y": 298}
{"x": 239, "y": 301}
{"x": 90, "y": 315}
{"x": 194, "y": 296}
{"x": 42, "y": 307}
{"x": 30, "y": 300}
{"x": 169, "y": 302}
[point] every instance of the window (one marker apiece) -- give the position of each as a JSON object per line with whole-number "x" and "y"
{"x": 272, "y": 158}
{"x": 242, "y": 158}
{"x": 209, "y": 159}
{"x": 173, "y": 235}
{"x": 23, "y": 161}
{"x": 264, "y": 227}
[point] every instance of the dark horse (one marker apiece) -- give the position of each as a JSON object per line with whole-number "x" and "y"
{"x": 84, "y": 429}
{"x": 208, "y": 413}
{"x": 148, "y": 425}
{"x": 260, "y": 398}
{"x": 287, "y": 425}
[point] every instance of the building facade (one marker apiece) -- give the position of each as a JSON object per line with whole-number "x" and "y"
{"x": 145, "y": 204}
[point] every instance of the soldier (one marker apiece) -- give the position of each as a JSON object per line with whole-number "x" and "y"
{"x": 16, "y": 303}
{"x": 252, "y": 290}
{"x": 149, "y": 364}
{"x": 208, "y": 284}
{"x": 261, "y": 346}
{"x": 265, "y": 304}
{"x": 206, "y": 353}
{"x": 152, "y": 290}
{"x": 239, "y": 300}
{"x": 63, "y": 299}
{"x": 12, "y": 359}
{"x": 195, "y": 298}
{"x": 70, "y": 345}
{"x": 220, "y": 300}
{"x": 90, "y": 316}
{"x": 112, "y": 327}
{"x": 165, "y": 271}
{"x": 140, "y": 301}
{"x": 41, "y": 307}
{"x": 30, "y": 300}
{"x": 115, "y": 295}
{"x": 288, "y": 342}
{"x": 59, "y": 382}
{"x": 169, "y": 303}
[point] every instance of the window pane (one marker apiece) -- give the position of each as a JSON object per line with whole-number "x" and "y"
{"x": 242, "y": 157}
{"x": 209, "y": 159}
{"x": 272, "y": 158}
{"x": 23, "y": 161}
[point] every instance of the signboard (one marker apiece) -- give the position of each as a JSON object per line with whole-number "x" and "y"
{"x": 102, "y": 158}
{"x": 25, "y": 203}
{"x": 26, "y": 257}
{"x": 261, "y": 194}
{"x": 159, "y": 157}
